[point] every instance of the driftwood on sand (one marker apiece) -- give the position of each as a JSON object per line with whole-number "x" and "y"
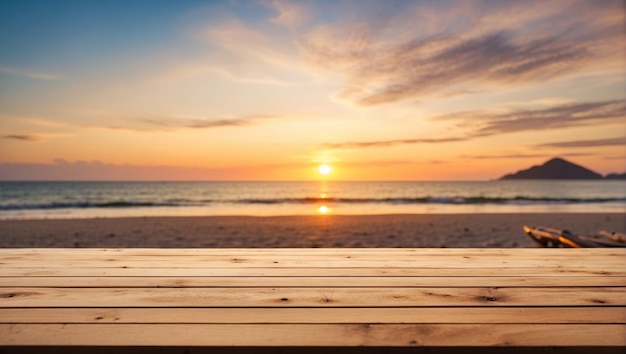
{"x": 549, "y": 237}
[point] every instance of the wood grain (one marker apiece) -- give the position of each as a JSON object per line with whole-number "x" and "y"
{"x": 313, "y": 297}
{"x": 476, "y": 315}
{"x": 314, "y": 334}
{"x": 304, "y": 281}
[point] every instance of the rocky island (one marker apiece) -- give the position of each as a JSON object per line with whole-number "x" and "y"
{"x": 558, "y": 168}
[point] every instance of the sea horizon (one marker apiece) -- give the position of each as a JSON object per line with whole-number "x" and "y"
{"x": 94, "y": 199}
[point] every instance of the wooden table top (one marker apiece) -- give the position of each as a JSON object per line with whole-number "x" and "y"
{"x": 313, "y": 297}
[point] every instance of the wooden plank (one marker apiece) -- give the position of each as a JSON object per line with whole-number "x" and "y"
{"x": 436, "y": 252}
{"x": 277, "y": 262}
{"x": 571, "y": 270}
{"x": 529, "y": 315}
{"x": 77, "y": 256}
{"x": 294, "y": 281}
{"x": 314, "y": 334}
{"x": 314, "y": 297}
{"x": 311, "y": 254}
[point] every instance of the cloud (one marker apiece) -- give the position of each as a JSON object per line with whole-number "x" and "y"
{"x": 517, "y": 156}
{"x": 503, "y": 156}
{"x": 620, "y": 141}
{"x": 396, "y": 51}
{"x": 29, "y": 73}
{"x": 111, "y": 120}
{"x": 197, "y": 123}
{"x": 172, "y": 123}
{"x": 555, "y": 117}
{"x": 388, "y": 143}
{"x": 250, "y": 52}
{"x": 585, "y": 113}
{"x": 290, "y": 13}
{"x": 473, "y": 50}
{"x": 487, "y": 123}
{"x": 22, "y": 137}
{"x": 375, "y": 163}
{"x": 253, "y": 79}
{"x": 414, "y": 71}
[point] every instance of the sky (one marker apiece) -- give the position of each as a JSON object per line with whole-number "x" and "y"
{"x": 271, "y": 89}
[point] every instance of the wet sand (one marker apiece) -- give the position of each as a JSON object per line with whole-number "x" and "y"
{"x": 413, "y": 230}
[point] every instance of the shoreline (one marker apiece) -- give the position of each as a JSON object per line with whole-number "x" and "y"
{"x": 333, "y": 231}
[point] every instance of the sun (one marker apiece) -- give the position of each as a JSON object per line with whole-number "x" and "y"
{"x": 325, "y": 169}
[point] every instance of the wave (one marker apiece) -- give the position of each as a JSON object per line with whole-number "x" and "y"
{"x": 518, "y": 200}
{"x": 431, "y": 200}
{"x": 86, "y": 205}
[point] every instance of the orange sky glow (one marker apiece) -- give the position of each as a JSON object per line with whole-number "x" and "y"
{"x": 271, "y": 90}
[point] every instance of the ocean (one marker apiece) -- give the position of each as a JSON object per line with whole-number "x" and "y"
{"x": 35, "y": 200}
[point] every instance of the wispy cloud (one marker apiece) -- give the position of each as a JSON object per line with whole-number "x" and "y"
{"x": 479, "y": 50}
{"x": 620, "y": 141}
{"x": 247, "y": 52}
{"x": 375, "y": 163}
{"x": 22, "y": 137}
{"x": 112, "y": 120}
{"x": 519, "y": 156}
{"x": 196, "y": 123}
{"x": 38, "y": 136}
{"x": 414, "y": 50}
{"x": 388, "y": 143}
{"x": 257, "y": 79}
{"x": 290, "y": 13}
{"x": 559, "y": 116}
{"x": 486, "y": 123}
{"x": 29, "y": 73}
{"x": 171, "y": 123}
{"x": 503, "y": 156}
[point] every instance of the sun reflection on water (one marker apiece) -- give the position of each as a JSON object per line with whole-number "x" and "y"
{"x": 323, "y": 209}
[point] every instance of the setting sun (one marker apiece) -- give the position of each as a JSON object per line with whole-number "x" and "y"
{"x": 325, "y": 169}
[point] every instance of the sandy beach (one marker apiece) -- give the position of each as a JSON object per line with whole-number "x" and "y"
{"x": 414, "y": 230}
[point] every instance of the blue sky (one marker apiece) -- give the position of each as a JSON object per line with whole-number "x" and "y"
{"x": 270, "y": 89}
